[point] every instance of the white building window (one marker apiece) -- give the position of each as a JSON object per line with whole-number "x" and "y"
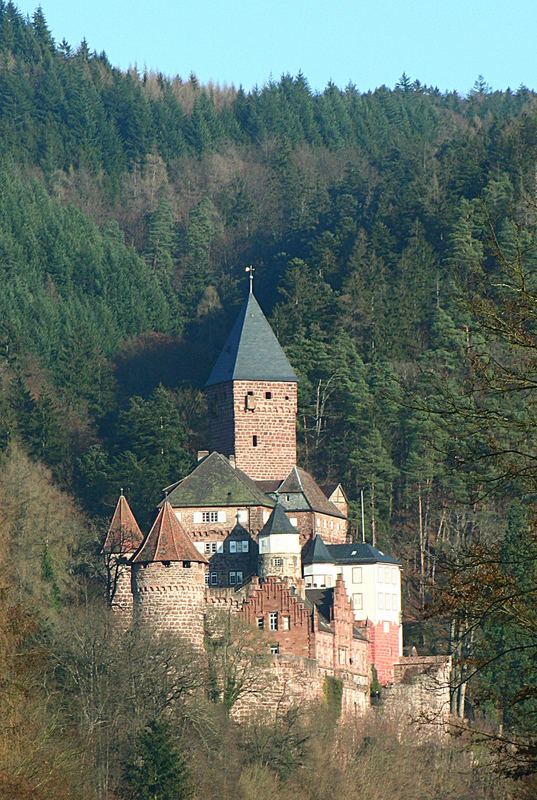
{"x": 209, "y": 516}
{"x": 214, "y": 578}
{"x": 235, "y": 577}
{"x": 395, "y": 604}
{"x": 274, "y": 649}
{"x": 210, "y": 547}
{"x": 277, "y": 562}
{"x": 356, "y": 574}
{"x": 273, "y": 621}
{"x": 381, "y": 600}
{"x": 242, "y": 516}
{"x": 286, "y": 623}
{"x": 388, "y": 602}
{"x": 357, "y": 602}
{"x": 233, "y": 547}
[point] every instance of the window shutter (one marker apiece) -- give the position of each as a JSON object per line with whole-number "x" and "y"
{"x": 220, "y": 547}
{"x": 198, "y": 516}
{"x": 221, "y": 516}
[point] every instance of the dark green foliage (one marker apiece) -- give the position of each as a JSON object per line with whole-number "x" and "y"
{"x": 157, "y": 770}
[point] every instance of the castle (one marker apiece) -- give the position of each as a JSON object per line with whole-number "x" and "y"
{"x": 250, "y": 531}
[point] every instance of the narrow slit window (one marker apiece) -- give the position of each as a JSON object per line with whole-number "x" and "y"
{"x": 254, "y": 441}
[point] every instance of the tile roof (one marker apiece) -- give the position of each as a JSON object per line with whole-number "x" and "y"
{"x": 124, "y": 534}
{"x": 278, "y": 522}
{"x": 252, "y": 351}
{"x": 214, "y": 482}
{"x": 301, "y": 482}
{"x": 316, "y": 552}
{"x": 167, "y": 541}
{"x": 358, "y": 553}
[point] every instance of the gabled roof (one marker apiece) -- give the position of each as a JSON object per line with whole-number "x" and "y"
{"x": 124, "y": 534}
{"x": 359, "y": 553}
{"x": 330, "y": 488}
{"x": 167, "y": 541}
{"x": 214, "y": 482}
{"x": 301, "y": 482}
{"x": 251, "y": 352}
{"x": 278, "y": 522}
{"x": 316, "y": 552}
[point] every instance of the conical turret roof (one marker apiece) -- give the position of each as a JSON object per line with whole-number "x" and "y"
{"x": 278, "y": 522}
{"x": 167, "y": 541}
{"x": 252, "y": 351}
{"x": 316, "y": 552}
{"x": 124, "y": 534}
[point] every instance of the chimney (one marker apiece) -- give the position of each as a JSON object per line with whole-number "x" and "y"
{"x": 231, "y": 458}
{"x": 202, "y": 454}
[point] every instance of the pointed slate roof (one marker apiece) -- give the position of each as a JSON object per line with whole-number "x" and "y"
{"x": 278, "y": 522}
{"x": 167, "y": 541}
{"x": 251, "y": 352}
{"x": 316, "y": 552}
{"x": 214, "y": 482}
{"x": 124, "y": 534}
{"x": 301, "y": 482}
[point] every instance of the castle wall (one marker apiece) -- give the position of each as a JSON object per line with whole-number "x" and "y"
{"x": 309, "y": 523}
{"x": 259, "y": 430}
{"x": 171, "y": 598}
{"x": 297, "y": 681}
{"x": 420, "y": 696}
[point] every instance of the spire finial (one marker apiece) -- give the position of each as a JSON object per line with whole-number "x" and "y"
{"x": 121, "y": 492}
{"x": 251, "y": 270}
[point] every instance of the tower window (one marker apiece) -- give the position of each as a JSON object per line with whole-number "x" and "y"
{"x": 274, "y": 649}
{"x": 254, "y": 441}
{"x": 187, "y": 564}
{"x": 260, "y": 623}
{"x": 268, "y": 395}
{"x": 273, "y": 621}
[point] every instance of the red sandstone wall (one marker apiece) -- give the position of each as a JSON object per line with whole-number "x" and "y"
{"x": 171, "y": 599}
{"x": 232, "y": 426}
{"x": 383, "y": 649}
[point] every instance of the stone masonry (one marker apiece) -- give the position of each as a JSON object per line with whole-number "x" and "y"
{"x": 256, "y": 422}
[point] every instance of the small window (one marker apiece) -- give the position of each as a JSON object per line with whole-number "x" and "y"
{"x": 357, "y": 602}
{"x": 286, "y": 623}
{"x": 239, "y": 577}
{"x": 206, "y": 579}
{"x": 233, "y": 547}
{"x": 245, "y": 546}
{"x": 287, "y": 397}
{"x": 273, "y": 621}
{"x": 277, "y": 562}
{"x": 166, "y": 563}
{"x": 187, "y": 564}
{"x": 210, "y": 548}
{"x": 209, "y": 516}
{"x": 254, "y": 441}
{"x": 214, "y": 578}
{"x": 250, "y": 394}
{"x": 232, "y": 578}
{"x": 293, "y": 521}
{"x": 388, "y": 602}
{"x": 268, "y": 395}
{"x": 381, "y": 600}
{"x": 274, "y": 649}
{"x": 395, "y": 604}
{"x": 356, "y": 574}
{"x": 261, "y": 623}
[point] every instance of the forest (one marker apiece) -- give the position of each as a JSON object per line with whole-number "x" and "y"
{"x": 394, "y": 239}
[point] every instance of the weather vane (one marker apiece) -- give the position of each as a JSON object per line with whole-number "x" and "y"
{"x": 251, "y": 270}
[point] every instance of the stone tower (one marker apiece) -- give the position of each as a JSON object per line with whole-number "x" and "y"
{"x": 252, "y": 399}
{"x": 169, "y": 580}
{"x": 122, "y": 540}
{"x": 279, "y": 547}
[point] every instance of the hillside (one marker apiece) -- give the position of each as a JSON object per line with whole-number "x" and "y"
{"x": 394, "y": 239}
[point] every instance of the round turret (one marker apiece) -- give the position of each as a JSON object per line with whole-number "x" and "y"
{"x": 122, "y": 540}
{"x": 169, "y": 580}
{"x": 279, "y": 547}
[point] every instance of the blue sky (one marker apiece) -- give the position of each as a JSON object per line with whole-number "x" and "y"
{"x": 445, "y": 44}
